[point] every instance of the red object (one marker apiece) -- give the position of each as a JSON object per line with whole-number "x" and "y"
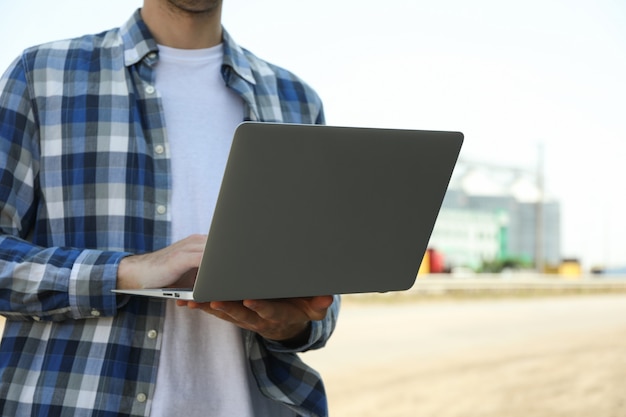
{"x": 437, "y": 261}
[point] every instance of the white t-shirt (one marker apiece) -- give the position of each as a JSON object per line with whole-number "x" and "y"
{"x": 203, "y": 370}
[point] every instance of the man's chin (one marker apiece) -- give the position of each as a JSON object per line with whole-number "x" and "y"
{"x": 195, "y": 6}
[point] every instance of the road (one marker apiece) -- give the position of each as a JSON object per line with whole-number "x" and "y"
{"x": 537, "y": 357}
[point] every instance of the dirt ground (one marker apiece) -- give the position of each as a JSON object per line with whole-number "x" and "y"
{"x": 516, "y": 358}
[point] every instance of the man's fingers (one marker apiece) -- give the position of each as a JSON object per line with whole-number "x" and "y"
{"x": 163, "y": 267}
{"x": 315, "y": 308}
{"x": 322, "y": 303}
{"x": 312, "y": 308}
{"x": 274, "y": 319}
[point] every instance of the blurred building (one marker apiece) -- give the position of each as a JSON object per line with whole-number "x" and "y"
{"x": 494, "y": 213}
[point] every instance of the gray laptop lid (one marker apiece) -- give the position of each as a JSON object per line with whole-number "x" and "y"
{"x": 310, "y": 210}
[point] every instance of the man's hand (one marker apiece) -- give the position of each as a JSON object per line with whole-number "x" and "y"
{"x": 283, "y": 320}
{"x": 175, "y": 265}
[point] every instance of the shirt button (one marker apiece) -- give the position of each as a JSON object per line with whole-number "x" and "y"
{"x": 141, "y": 397}
{"x": 150, "y": 89}
{"x": 152, "y": 55}
{"x": 159, "y": 149}
{"x": 161, "y": 209}
{"x": 95, "y": 313}
{"x": 152, "y": 334}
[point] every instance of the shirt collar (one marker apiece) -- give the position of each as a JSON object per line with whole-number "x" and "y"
{"x": 235, "y": 58}
{"x": 138, "y": 42}
{"x": 137, "y": 39}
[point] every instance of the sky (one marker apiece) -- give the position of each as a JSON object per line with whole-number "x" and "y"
{"x": 529, "y": 83}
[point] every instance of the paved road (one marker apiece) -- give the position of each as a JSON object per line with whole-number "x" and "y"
{"x": 542, "y": 357}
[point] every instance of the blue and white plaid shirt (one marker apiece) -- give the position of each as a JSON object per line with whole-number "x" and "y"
{"x": 84, "y": 181}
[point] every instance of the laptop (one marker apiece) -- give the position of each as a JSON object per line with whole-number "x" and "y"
{"x": 306, "y": 210}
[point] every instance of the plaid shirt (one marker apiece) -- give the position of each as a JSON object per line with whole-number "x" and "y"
{"x": 84, "y": 181}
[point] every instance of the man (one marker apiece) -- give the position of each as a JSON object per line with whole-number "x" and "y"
{"x": 101, "y": 140}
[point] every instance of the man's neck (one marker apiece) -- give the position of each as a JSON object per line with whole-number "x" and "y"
{"x": 181, "y": 29}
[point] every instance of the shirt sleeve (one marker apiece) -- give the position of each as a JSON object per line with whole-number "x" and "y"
{"x": 40, "y": 283}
